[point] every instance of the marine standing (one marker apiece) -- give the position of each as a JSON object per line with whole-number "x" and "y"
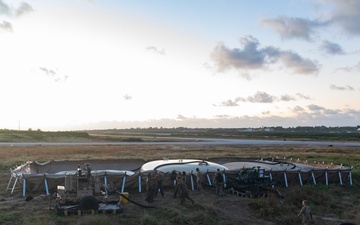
{"x": 306, "y": 213}
{"x": 218, "y": 182}
{"x": 149, "y": 189}
{"x": 159, "y": 178}
{"x": 182, "y": 190}
{"x": 198, "y": 176}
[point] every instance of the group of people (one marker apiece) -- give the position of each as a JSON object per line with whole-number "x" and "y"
{"x": 155, "y": 186}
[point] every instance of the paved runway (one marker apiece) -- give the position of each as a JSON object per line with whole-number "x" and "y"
{"x": 192, "y": 142}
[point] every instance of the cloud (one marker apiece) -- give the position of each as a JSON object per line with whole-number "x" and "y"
{"x": 258, "y": 97}
{"x": 181, "y": 117}
{"x": 247, "y": 58}
{"x": 251, "y": 57}
{"x": 316, "y": 110}
{"x": 346, "y": 14}
{"x": 4, "y": 8}
{"x": 349, "y": 117}
{"x": 229, "y": 103}
{"x": 127, "y": 97}
{"x": 261, "y": 97}
{"x": 313, "y": 107}
{"x": 294, "y": 28}
{"x": 287, "y": 98}
{"x": 303, "y": 96}
{"x": 344, "y": 88}
{"x": 9, "y": 11}
{"x": 298, "y": 64}
{"x": 343, "y": 13}
{"x": 5, "y": 26}
{"x": 53, "y": 74}
{"x": 23, "y": 9}
{"x": 298, "y": 109}
{"x": 349, "y": 68}
{"x": 47, "y": 71}
{"x": 156, "y": 50}
{"x": 331, "y": 48}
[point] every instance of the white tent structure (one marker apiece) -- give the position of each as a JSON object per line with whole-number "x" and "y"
{"x": 130, "y": 174}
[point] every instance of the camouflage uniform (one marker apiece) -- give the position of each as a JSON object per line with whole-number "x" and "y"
{"x": 218, "y": 183}
{"x": 306, "y": 213}
{"x": 159, "y": 178}
{"x": 183, "y": 192}
{"x": 149, "y": 189}
{"x": 198, "y": 176}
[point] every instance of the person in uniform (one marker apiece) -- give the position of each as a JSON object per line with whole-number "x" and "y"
{"x": 159, "y": 178}
{"x": 306, "y": 213}
{"x": 79, "y": 172}
{"x": 173, "y": 178}
{"x": 182, "y": 190}
{"x": 218, "y": 182}
{"x": 183, "y": 177}
{"x": 149, "y": 189}
{"x": 87, "y": 170}
{"x": 198, "y": 177}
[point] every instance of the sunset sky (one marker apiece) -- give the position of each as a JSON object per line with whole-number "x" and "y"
{"x": 91, "y": 64}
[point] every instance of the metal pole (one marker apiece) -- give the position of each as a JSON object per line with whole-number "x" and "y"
{"x": 208, "y": 178}
{"x": 7, "y": 188}
{"x": 300, "y": 180}
{"x": 24, "y": 188}
{"x": 192, "y": 181}
{"x": 12, "y": 190}
{"x": 350, "y": 176}
{"x": 139, "y": 178}
{"x": 341, "y": 183}
{"x": 105, "y": 183}
{"x": 46, "y": 185}
{"x": 326, "y": 177}
{"x": 271, "y": 178}
{"x": 123, "y": 183}
{"x": 313, "y": 176}
{"x": 224, "y": 178}
{"x": 285, "y": 178}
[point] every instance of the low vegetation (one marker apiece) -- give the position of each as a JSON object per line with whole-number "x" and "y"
{"x": 331, "y": 204}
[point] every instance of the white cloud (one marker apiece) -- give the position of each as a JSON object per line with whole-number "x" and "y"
{"x": 5, "y": 26}
{"x": 156, "y": 50}
{"x": 251, "y": 57}
{"x": 331, "y": 48}
{"x": 23, "y": 9}
{"x": 294, "y": 28}
{"x": 346, "y": 14}
{"x": 341, "y": 88}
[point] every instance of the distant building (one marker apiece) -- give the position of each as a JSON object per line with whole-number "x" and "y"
{"x": 269, "y": 129}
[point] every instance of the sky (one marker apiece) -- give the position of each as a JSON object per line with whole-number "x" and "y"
{"x": 91, "y": 64}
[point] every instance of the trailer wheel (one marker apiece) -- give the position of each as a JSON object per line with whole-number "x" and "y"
{"x": 88, "y": 202}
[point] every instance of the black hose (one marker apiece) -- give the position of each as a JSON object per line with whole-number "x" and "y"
{"x": 178, "y": 163}
{"x": 136, "y": 203}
